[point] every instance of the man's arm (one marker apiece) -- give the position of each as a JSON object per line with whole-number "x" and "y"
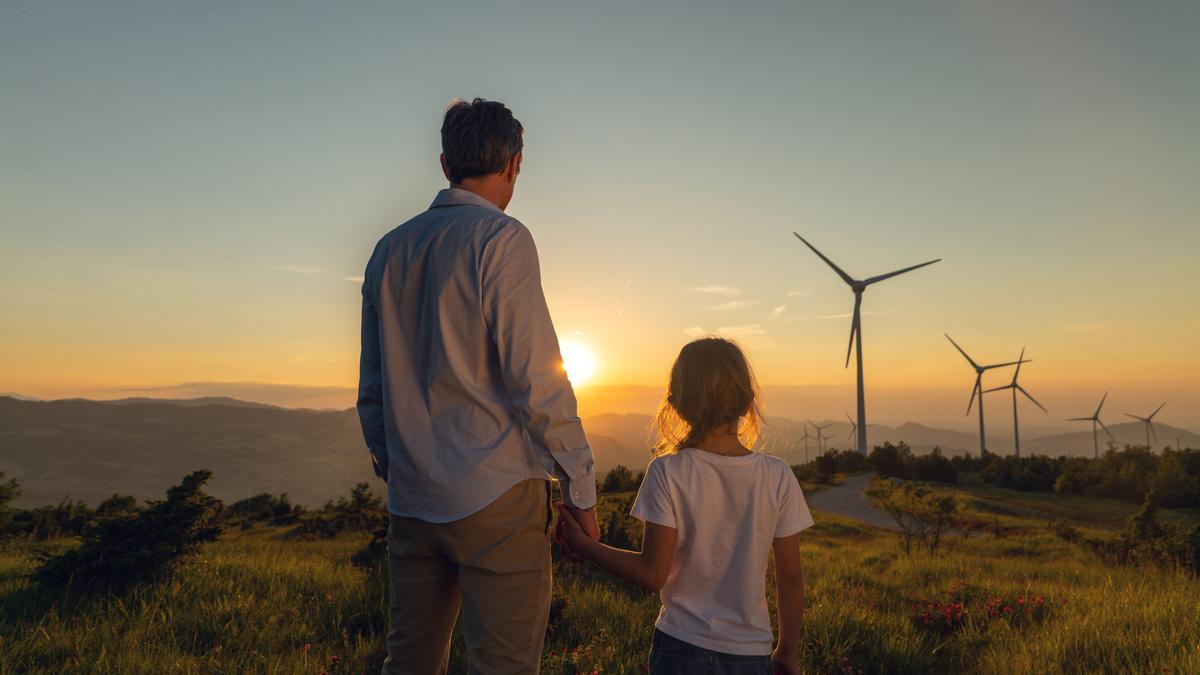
{"x": 789, "y": 583}
{"x": 370, "y": 388}
{"x": 520, "y": 325}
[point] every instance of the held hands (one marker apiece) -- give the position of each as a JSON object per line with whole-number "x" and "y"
{"x": 575, "y": 530}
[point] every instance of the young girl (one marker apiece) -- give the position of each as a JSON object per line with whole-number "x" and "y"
{"x": 714, "y": 510}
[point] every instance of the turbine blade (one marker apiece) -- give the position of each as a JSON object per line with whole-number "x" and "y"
{"x": 1097, "y": 413}
{"x": 1134, "y": 416}
{"x": 1110, "y": 436}
{"x": 889, "y": 275}
{"x": 1156, "y": 411}
{"x": 1079, "y": 419}
{"x": 845, "y": 277}
{"x": 1153, "y": 433}
{"x": 1002, "y": 365}
{"x": 1031, "y": 398}
{"x": 1007, "y": 386}
{"x": 975, "y": 390}
{"x": 960, "y": 351}
{"x": 1020, "y": 360}
{"x": 854, "y": 326}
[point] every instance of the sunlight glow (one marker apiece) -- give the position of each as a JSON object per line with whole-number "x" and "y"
{"x": 578, "y": 361}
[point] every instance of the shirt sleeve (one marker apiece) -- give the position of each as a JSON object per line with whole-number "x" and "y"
{"x": 654, "y": 503}
{"x": 370, "y": 388}
{"x": 794, "y": 515}
{"x": 530, "y": 362}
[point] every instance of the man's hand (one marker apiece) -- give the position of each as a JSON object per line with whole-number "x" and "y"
{"x": 570, "y": 534}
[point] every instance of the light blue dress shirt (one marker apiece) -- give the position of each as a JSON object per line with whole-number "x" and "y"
{"x": 461, "y": 392}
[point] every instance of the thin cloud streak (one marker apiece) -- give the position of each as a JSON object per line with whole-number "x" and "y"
{"x": 718, "y": 290}
{"x": 733, "y": 304}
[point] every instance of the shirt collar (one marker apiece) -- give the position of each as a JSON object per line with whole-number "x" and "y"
{"x": 453, "y": 196}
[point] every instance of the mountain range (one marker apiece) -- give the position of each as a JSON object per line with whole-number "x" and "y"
{"x": 90, "y": 450}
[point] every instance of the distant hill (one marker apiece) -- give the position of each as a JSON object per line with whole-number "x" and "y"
{"x": 92, "y": 449}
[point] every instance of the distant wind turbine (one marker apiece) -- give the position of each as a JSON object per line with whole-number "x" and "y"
{"x": 858, "y": 286}
{"x": 821, "y": 435}
{"x": 853, "y": 429}
{"x": 1095, "y": 419}
{"x": 977, "y": 390}
{"x": 805, "y": 439}
{"x": 1015, "y": 388}
{"x": 1149, "y": 422}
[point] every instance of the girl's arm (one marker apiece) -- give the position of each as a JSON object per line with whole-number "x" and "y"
{"x": 647, "y": 568}
{"x": 789, "y": 585}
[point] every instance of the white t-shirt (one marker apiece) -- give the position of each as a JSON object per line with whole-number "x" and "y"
{"x": 727, "y": 511}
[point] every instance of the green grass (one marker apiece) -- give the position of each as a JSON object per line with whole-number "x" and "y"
{"x": 251, "y": 602}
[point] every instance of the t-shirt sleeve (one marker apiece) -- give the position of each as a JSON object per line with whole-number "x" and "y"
{"x": 794, "y": 515}
{"x": 654, "y": 503}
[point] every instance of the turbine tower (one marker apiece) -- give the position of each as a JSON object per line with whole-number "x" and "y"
{"x": 977, "y": 390}
{"x": 1095, "y": 419}
{"x": 858, "y": 286}
{"x": 805, "y": 439}
{"x": 1149, "y": 422}
{"x": 821, "y": 435}
{"x": 1015, "y": 388}
{"x": 853, "y": 429}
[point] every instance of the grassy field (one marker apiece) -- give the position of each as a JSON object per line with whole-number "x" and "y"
{"x": 255, "y": 602}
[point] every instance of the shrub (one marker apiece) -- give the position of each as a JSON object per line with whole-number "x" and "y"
{"x": 621, "y": 479}
{"x": 923, "y": 515}
{"x": 265, "y": 508}
{"x": 891, "y": 461}
{"x": 617, "y": 529}
{"x": 1036, "y": 473}
{"x": 362, "y": 512}
{"x": 124, "y": 547}
{"x": 933, "y": 467}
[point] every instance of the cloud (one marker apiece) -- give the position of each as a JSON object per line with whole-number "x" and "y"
{"x": 733, "y": 304}
{"x": 354, "y": 280}
{"x": 718, "y": 290}
{"x": 847, "y": 315}
{"x": 305, "y": 270}
{"x": 742, "y": 331}
{"x": 777, "y": 311}
{"x": 799, "y": 294}
{"x": 747, "y": 330}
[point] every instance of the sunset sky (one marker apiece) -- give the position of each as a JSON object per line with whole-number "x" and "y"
{"x": 189, "y": 192}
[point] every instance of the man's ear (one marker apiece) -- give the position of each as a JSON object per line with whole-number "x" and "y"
{"x": 513, "y": 168}
{"x": 445, "y": 169}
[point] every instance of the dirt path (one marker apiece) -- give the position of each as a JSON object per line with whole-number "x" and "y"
{"x": 848, "y": 500}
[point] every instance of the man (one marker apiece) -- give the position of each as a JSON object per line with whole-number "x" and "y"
{"x": 467, "y": 411}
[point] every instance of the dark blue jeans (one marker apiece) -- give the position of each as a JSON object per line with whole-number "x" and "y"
{"x": 669, "y": 656}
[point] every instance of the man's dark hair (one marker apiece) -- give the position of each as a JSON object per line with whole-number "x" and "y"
{"x": 479, "y": 138}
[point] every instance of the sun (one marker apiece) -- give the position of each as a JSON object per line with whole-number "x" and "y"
{"x": 578, "y": 361}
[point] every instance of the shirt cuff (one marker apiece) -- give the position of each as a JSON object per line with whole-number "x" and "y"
{"x": 579, "y": 493}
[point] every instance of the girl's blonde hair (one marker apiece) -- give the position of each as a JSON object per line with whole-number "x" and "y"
{"x": 711, "y": 386}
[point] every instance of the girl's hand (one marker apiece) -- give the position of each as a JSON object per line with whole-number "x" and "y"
{"x": 782, "y": 664}
{"x": 570, "y": 530}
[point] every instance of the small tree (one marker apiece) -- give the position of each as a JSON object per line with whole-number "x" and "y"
{"x": 619, "y": 479}
{"x": 125, "y": 546}
{"x": 891, "y": 461}
{"x": 923, "y": 515}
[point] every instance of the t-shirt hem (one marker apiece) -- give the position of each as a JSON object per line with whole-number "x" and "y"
{"x": 715, "y": 645}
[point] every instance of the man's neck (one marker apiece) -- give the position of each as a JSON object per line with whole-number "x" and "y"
{"x": 487, "y": 187}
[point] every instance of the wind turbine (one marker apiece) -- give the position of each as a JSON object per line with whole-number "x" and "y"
{"x": 858, "y": 286}
{"x": 853, "y": 429}
{"x": 1095, "y": 419}
{"x": 1148, "y": 420}
{"x": 1015, "y": 388}
{"x": 805, "y": 439}
{"x": 977, "y": 390}
{"x": 821, "y": 435}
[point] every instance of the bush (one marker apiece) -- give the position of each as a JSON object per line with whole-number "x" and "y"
{"x": 933, "y": 467}
{"x": 1150, "y": 541}
{"x": 923, "y": 515}
{"x": 891, "y": 461}
{"x": 265, "y": 508}
{"x": 362, "y": 512}
{"x": 125, "y": 547}
{"x": 617, "y": 529}
{"x": 621, "y": 479}
{"x": 1036, "y": 473}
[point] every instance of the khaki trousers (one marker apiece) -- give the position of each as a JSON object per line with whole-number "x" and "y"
{"x": 493, "y": 564}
